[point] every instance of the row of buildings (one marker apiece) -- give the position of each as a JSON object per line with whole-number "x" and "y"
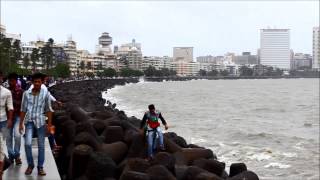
{"x": 274, "y": 51}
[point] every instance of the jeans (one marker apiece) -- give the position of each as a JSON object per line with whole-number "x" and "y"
{"x": 30, "y": 127}
{"x": 52, "y": 141}
{"x": 3, "y": 135}
{"x": 4, "y": 129}
{"x": 14, "y": 135}
{"x": 152, "y": 144}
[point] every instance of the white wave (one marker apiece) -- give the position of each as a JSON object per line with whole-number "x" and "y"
{"x": 277, "y": 165}
{"x": 290, "y": 155}
{"x": 197, "y": 140}
{"x": 260, "y": 157}
{"x": 141, "y": 80}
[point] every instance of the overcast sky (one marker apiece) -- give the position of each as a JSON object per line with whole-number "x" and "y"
{"x": 211, "y": 27}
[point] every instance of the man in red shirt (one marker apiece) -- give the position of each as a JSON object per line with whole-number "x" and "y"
{"x": 14, "y": 137}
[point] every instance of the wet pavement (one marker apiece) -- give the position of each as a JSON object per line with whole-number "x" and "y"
{"x": 15, "y": 172}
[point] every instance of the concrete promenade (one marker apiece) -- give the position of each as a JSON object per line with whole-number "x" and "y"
{"x": 17, "y": 172}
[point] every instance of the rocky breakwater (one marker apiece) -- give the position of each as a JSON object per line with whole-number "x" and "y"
{"x": 101, "y": 142}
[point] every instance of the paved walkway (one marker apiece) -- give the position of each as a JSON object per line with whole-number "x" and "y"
{"x": 17, "y": 172}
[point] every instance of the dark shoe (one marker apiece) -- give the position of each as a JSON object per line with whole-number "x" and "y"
{"x": 18, "y": 161}
{"x": 41, "y": 172}
{"x": 11, "y": 160}
{"x": 29, "y": 170}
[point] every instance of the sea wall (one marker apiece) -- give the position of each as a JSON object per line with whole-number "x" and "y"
{"x": 102, "y": 142}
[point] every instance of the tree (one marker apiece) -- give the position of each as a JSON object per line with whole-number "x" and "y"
{"x": 127, "y": 72}
{"x": 89, "y": 65}
{"x": 245, "y": 71}
{"x": 109, "y": 72}
{"x": 16, "y": 52}
{"x": 100, "y": 66}
{"x": 202, "y": 72}
{"x": 82, "y": 65}
{"x": 165, "y": 72}
{"x": 173, "y": 73}
{"x": 150, "y": 71}
{"x": 224, "y": 73}
{"x": 269, "y": 71}
{"x": 213, "y": 73}
{"x": 90, "y": 74}
{"x": 5, "y": 51}
{"x": 62, "y": 70}
{"x": 26, "y": 61}
{"x": 34, "y": 58}
{"x": 47, "y": 54}
{"x": 278, "y": 72}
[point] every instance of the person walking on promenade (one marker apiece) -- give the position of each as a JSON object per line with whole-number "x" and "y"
{"x": 6, "y": 111}
{"x": 13, "y": 129}
{"x": 150, "y": 123}
{"x": 45, "y": 86}
{"x": 35, "y": 107}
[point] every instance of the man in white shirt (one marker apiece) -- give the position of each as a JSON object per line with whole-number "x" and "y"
{"x": 6, "y": 113}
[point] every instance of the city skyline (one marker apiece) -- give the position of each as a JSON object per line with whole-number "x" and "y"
{"x": 153, "y": 25}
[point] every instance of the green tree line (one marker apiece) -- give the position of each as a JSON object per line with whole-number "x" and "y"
{"x": 11, "y": 53}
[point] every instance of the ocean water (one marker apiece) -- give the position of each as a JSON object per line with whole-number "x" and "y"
{"x": 272, "y": 125}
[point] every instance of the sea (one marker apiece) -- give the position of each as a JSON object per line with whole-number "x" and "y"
{"x": 272, "y": 125}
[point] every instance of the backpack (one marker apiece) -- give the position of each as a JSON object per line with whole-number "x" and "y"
{"x": 153, "y": 120}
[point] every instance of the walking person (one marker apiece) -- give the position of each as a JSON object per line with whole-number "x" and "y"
{"x": 150, "y": 123}
{"x": 6, "y": 111}
{"x": 35, "y": 108}
{"x": 14, "y": 137}
{"x": 45, "y": 86}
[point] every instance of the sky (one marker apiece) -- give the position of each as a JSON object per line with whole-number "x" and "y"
{"x": 211, "y": 27}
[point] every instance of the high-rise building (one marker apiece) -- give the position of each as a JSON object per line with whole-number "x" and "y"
{"x": 184, "y": 54}
{"x": 316, "y": 48}
{"x": 186, "y": 68}
{"x": 275, "y": 48}
{"x": 104, "y": 44}
{"x": 130, "y": 55}
{"x": 245, "y": 59}
{"x": 70, "y": 48}
{"x": 2, "y": 29}
{"x": 301, "y": 61}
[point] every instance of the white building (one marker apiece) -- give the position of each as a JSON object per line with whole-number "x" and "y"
{"x": 10, "y": 36}
{"x": 2, "y": 29}
{"x": 95, "y": 63}
{"x": 185, "y": 68}
{"x": 157, "y": 62}
{"x": 275, "y": 48}
{"x": 316, "y": 48}
{"x": 184, "y": 54}
{"x": 206, "y": 66}
{"x": 301, "y": 60}
{"x": 245, "y": 59}
{"x": 167, "y": 62}
{"x": 70, "y": 49}
{"x": 206, "y": 59}
{"x": 130, "y": 55}
{"x": 83, "y": 57}
{"x": 105, "y": 40}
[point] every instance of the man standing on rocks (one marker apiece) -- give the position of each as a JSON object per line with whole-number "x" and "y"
{"x": 6, "y": 111}
{"x": 151, "y": 118}
{"x": 35, "y": 108}
{"x": 13, "y": 129}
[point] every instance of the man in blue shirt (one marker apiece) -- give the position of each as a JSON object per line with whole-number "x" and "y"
{"x": 35, "y": 109}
